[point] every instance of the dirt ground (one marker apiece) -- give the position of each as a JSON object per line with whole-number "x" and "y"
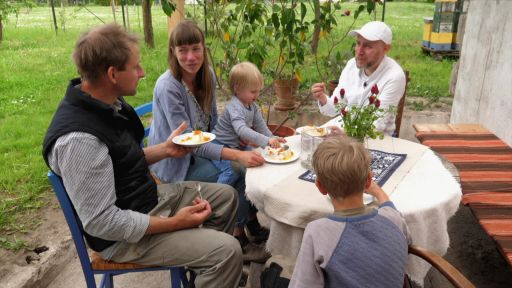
{"x": 471, "y": 251}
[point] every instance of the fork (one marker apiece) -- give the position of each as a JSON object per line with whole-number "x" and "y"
{"x": 198, "y": 187}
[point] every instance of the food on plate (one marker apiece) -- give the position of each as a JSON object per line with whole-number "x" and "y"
{"x": 315, "y": 131}
{"x": 282, "y": 153}
{"x": 196, "y": 137}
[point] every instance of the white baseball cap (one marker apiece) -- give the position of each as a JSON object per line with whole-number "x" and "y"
{"x": 374, "y": 31}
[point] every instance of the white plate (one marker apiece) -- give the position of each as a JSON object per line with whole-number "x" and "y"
{"x": 300, "y": 130}
{"x": 274, "y": 160}
{"x": 180, "y": 139}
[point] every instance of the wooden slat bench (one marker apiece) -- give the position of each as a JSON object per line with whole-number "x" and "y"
{"x": 484, "y": 163}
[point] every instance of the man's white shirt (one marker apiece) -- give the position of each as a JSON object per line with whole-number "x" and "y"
{"x": 390, "y": 79}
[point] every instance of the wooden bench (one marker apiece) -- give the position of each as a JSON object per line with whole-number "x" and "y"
{"x": 485, "y": 169}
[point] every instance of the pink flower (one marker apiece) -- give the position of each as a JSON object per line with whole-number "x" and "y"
{"x": 342, "y": 93}
{"x": 346, "y": 13}
{"x": 375, "y": 89}
{"x": 343, "y": 111}
{"x": 335, "y": 100}
{"x": 377, "y": 103}
{"x": 371, "y": 99}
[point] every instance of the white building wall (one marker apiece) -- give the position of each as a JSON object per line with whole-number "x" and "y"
{"x": 483, "y": 93}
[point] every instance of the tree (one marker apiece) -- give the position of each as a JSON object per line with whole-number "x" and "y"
{"x": 6, "y": 8}
{"x": 147, "y": 23}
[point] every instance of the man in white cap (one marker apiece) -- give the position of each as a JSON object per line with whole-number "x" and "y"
{"x": 370, "y": 66}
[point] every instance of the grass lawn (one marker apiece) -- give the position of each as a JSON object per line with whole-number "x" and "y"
{"x": 35, "y": 67}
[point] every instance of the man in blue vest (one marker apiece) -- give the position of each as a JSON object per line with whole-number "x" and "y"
{"x": 93, "y": 144}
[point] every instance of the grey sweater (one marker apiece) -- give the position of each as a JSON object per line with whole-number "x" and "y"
{"x": 171, "y": 106}
{"x": 238, "y": 122}
{"x": 365, "y": 250}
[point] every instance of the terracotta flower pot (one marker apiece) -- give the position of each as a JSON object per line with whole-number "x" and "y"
{"x": 286, "y": 92}
{"x": 283, "y": 131}
{"x": 331, "y": 86}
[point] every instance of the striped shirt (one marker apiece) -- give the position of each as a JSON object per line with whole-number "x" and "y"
{"x": 84, "y": 164}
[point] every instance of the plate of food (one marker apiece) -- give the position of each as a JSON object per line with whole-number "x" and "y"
{"x": 313, "y": 130}
{"x": 283, "y": 154}
{"x": 193, "y": 139}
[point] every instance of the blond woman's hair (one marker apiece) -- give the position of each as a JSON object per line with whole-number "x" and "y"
{"x": 341, "y": 165}
{"x": 245, "y": 75}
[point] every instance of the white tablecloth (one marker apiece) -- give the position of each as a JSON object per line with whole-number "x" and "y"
{"x": 422, "y": 189}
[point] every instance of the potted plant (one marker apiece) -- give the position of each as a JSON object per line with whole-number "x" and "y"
{"x": 289, "y": 30}
{"x": 357, "y": 121}
{"x": 265, "y": 102}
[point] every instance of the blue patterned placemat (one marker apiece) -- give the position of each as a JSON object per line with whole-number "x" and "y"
{"x": 383, "y": 164}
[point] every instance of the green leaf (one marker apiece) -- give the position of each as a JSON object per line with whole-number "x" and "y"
{"x": 275, "y": 20}
{"x": 370, "y": 6}
{"x": 168, "y": 7}
{"x": 303, "y": 11}
{"x": 243, "y": 45}
{"x": 359, "y": 10}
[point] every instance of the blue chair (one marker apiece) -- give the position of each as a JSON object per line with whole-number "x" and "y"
{"x": 98, "y": 265}
{"x": 143, "y": 110}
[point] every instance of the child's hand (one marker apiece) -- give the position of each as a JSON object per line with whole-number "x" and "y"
{"x": 376, "y": 191}
{"x": 276, "y": 142}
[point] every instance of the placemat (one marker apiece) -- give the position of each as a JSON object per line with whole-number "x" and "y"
{"x": 383, "y": 164}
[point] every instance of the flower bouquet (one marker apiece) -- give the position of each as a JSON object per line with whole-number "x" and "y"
{"x": 358, "y": 120}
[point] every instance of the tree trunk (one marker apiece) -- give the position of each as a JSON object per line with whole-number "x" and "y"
{"x": 177, "y": 16}
{"x": 147, "y": 23}
{"x": 54, "y": 17}
{"x": 128, "y": 16}
{"x": 316, "y": 32}
{"x": 1, "y": 30}
{"x": 113, "y": 5}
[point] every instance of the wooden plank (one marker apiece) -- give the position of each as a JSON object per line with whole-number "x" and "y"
{"x": 484, "y": 164}
{"x": 458, "y": 128}
{"x": 458, "y": 159}
{"x": 465, "y": 143}
{"x": 431, "y": 127}
{"x": 497, "y": 227}
{"x": 487, "y": 198}
{"x": 505, "y": 245}
{"x": 482, "y": 176}
{"x": 438, "y": 135}
{"x": 481, "y": 186}
{"x": 483, "y": 211}
{"x": 468, "y": 128}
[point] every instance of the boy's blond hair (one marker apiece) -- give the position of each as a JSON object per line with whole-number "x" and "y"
{"x": 245, "y": 75}
{"x": 341, "y": 165}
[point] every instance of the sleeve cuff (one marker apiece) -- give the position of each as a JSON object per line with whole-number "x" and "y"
{"x": 141, "y": 224}
{"x": 388, "y": 204}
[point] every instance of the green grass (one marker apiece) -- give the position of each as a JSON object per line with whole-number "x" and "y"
{"x": 35, "y": 67}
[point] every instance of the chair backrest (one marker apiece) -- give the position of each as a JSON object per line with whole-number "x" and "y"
{"x": 142, "y": 110}
{"x": 75, "y": 226}
{"x": 400, "y": 107}
{"x": 454, "y": 276}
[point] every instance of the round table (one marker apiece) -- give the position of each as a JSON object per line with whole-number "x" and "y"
{"x": 421, "y": 188}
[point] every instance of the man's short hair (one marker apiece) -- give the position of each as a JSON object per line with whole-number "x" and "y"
{"x": 341, "y": 165}
{"x": 102, "y": 47}
{"x": 245, "y": 75}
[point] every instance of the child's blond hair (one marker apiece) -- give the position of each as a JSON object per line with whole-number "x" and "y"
{"x": 245, "y": 75}
{"x": 341, "y": 165}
